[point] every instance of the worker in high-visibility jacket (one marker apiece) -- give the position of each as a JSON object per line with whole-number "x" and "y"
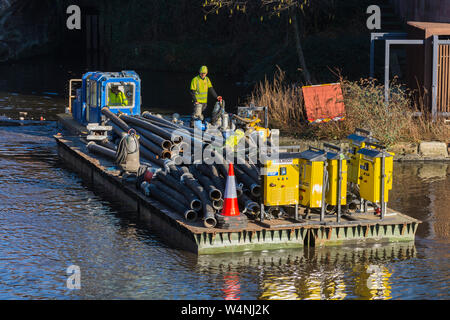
{"x": 117, "y": 97}
{"x": 200, "y": 87}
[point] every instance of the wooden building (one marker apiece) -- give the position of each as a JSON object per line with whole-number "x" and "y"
{"x": 428, "y": 65}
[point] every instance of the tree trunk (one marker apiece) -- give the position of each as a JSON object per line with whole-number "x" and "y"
{"x": 298, "y": 46}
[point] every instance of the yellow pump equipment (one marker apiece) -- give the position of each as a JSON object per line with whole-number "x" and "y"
{"x": 248, "y": 118}
{"x": 337, "y": 170}
{"x": 358, "y": 141}
{"x": 280, "y": 181}
{"x": 312, "y": 164}
{"x": 376, "y": 175}
{"x": 323, "y": 179}
{"x": 312, "y": 179}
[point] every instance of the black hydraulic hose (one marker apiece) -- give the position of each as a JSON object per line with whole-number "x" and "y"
{"x": 184, "y": 170}
{"x": 221, "y": 163}
{"x": 249, "y": 206}
{"x": 95, "y": 148}
{"x": 157, "y": 150}
{"x": 188, "y": 136}
{"x": 144, "y": 152}
{"x": 147, "y": 154}
{"x": 151, "y": 127}
{"x": 147, "y": 140}
{"x": 173, "y": 193}
{"x": 164, "y": 154}
{"x": 209, "y": 220}
{"x": 108, "y": 144}
{"x": 149, "y": 116}
{"x": 156, "y": 139}
{"x": 122, "y": 125}
{"x": 239, "y": 190}
{"x": 117, "y": 130}
{"x": 249, "y": 170}
{"x": 154, "y": 119}
{"x": 180, "y": 148}
{"x": 194, "y": 202}
{"x": 241, "y": 175}
{"x": 218, "y": 204}
{"x": 188, "y": 214}
{"x": 173, "y": 170}
{"x": 208, "y": 185}
{"x": 169, "y": 126}
{"x": 211, "y": 172}
{"x": 245, "y": 166}
{"x": 252, "y": 185}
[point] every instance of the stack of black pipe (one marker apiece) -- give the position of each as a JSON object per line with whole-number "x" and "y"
{"x": 193, "y": 190}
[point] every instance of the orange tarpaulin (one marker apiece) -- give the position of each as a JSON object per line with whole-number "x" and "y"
{"x": 324, "y": 102}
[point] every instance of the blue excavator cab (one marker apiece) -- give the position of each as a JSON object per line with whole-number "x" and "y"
{"x": 97, "y": 91}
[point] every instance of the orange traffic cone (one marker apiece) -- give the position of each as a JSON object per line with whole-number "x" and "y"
{"x": 230, "y": 218}
{"x": 230, "y": 207}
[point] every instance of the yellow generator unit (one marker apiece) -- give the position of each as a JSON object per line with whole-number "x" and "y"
{"x": 281, "y": 180}
{"x": 333, "y": 178}
{"x": 311, "y": 165}
{"x": 371, "y": 177}
{"x": 358, "y": 141}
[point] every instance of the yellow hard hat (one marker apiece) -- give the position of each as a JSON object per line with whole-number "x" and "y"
{"x": 203, "y": 69}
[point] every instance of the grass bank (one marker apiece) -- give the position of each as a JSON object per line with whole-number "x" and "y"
{"x": 364, "y": 107}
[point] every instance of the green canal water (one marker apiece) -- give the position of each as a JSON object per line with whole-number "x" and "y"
{"x": 50, "y": 220}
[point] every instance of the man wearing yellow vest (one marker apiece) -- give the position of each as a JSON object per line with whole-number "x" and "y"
{"x": 200, "y": 87}
{"x": 117, "y": 97}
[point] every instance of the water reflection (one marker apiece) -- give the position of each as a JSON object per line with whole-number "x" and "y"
{"x": 311, "y": 273}
{"x": 421, "y": 190}
{"x": 232, "y": 286}
{"x": 44, "y": 81}
{"x": 50, "y": 219}
{"x": 31, "y": 106}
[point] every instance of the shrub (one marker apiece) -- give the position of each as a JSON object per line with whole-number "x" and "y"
{"x": 364, "y": 106}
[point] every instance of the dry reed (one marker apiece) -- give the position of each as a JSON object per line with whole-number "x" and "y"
{"x": 365, "y": 108}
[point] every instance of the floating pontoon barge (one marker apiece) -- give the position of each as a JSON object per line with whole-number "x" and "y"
{"x": 193, "y": 237}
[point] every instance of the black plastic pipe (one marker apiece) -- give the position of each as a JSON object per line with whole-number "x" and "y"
{"x": 194, "y": 202}
{"x": 154, "y": 192}
{"x": 95, "y": 148}
{"x": 209, "y": 220}
{"x": 211, "y": 172}
{"x": 208, "y": 185}
{"x": 114, "y": 118}
{"x": 151, "y": 127}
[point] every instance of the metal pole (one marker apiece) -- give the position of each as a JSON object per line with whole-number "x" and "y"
{"x": 266, "y": 117}
{"x": 263, "y": 192}
{"x": 435, "y": 77}
{"x": 339, "y": 191}
{"x": 386, "y": 71}
{"x": 372, "y": 56}
{"x": 383, "y": 159}
{"x": 322, "y": 209}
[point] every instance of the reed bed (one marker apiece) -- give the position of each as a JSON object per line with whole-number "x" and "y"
{"x": 364, "y": 106}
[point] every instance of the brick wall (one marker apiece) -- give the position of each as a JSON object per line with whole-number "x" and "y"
{"x": 423, "y": 10}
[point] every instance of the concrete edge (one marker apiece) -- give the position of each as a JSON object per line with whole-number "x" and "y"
{"x": 431, "y": 151}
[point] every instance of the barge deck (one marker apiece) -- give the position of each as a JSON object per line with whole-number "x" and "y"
{"x": 192, "y": 236}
